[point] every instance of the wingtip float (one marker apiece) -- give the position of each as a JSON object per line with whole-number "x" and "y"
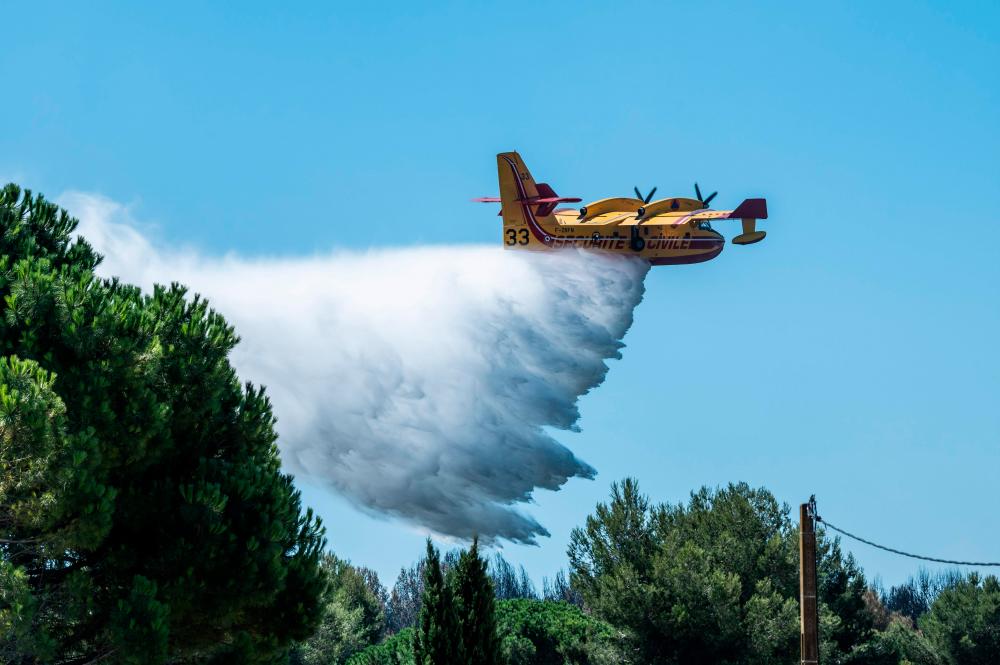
{"x": 670, "y": 231}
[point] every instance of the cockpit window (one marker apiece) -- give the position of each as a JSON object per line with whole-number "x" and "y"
{"x": 705, "y": 225}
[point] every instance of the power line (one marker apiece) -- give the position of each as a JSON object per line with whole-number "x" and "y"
{"x": 900, "y": 552}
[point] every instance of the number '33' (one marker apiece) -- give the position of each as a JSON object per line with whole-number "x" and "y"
{"x": 516, "y": 236}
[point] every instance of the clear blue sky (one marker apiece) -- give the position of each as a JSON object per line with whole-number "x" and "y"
{"x": 853, "y": 354}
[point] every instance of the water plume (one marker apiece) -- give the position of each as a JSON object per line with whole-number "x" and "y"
{"x": 418, "y": 383}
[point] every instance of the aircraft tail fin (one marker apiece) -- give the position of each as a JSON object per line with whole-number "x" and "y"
{"x": 525, "y": 204}
{"x": 516, "y": 188}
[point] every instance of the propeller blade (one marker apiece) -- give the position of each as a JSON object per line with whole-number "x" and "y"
{"x": 638, "y": 194}
{"x": 709, "y": 199}
{"x": 697, "y": 191}
{"x": 649, "y": 197}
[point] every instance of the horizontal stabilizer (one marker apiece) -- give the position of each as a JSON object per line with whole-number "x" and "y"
{"x": 546, "y": 200}
{"x": 554, "y": 199}
{"x": 548, "y": 195}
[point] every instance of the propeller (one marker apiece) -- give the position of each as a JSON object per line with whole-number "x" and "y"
{"x": 706, "y": 201}
{"x": 647, "y": 198}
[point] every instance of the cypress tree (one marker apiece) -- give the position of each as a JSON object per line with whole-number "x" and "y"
{"x": 437, "y": 639}
{"x": 475, "y": 605}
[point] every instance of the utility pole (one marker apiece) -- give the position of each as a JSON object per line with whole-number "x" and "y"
{"x": 808, "y": 605}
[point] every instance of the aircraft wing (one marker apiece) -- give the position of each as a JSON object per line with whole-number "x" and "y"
{"x": 749, "y": 209}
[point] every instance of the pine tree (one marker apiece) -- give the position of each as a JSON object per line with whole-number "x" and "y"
{"x": 475, "y": 606}
{"x": 437, "y": 639}
{"x": 143, "y": 513}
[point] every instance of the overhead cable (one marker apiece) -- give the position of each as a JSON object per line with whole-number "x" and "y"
{"x": 907, "y": 554}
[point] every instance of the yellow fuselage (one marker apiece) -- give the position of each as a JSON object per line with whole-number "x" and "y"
{"x": 668, "y": 238}
{"x": 669, "y": 231}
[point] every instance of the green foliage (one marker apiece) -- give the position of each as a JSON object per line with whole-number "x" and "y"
{"x": 534, "y": 632}
{"x": 403, "y": 606}
{"x": 898, "y": 644}
{"x": 438, "y": 637}
{"x": 143, "y": 513}
{"x": 772, "y": 625}
{"x": 842, "y": 590}
{"x": 537, "y": 632}
{"x": 915, "y": 596}
{"x": 139, "y": 624}
{"x": 456, "y": 621}
{"x": 560, "y": 589}
{"x": 33, "y": 446}
{"x": 964, "y": 621}
{"x": 353, "y": 617}
{"x": 510, "y": 582}
{"x": 473, "y": 593}
{"x": 712, "y": 581}
{"x": 396, "y": 650}
{"x": 403, "y": 603}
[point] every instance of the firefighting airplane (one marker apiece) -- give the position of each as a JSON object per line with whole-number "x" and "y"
{"x": 669, "y": 231}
